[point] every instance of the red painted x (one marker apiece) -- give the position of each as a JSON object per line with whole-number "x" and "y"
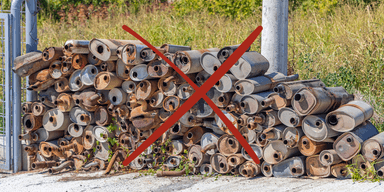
{"x": 200, "y": 92}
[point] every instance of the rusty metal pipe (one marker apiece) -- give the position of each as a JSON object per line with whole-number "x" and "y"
{"x": 44, "y": 164}
{"x": 60, "y": 167}
{"x": 162, "y": 173}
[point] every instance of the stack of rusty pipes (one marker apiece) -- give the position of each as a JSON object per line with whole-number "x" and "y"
{"x": 100, "y": 99}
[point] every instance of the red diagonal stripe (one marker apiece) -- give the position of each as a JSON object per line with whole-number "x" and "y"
{"x": 197, "y": 95}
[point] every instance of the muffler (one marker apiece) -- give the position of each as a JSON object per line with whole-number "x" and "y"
{"x": 52, "y": 53}
{"x": 106, "y": 49}
{"x": 29, "y": 63}
{"x": 261, "y": 83}
{"x": 276, "y": 102}
{"x": 107, "y": 81}
{"x": 316, "y": 129}
{"x": 251, "y": 104}
{"x": 55, "y": 120}
{"x": 291, "y": 136}
{"x": 318, "y": 100}
{"x": 288, "y": 89}
{"x": 289, "y": 117}
{"x": 88, "y": 74}
{"x": 76, "y": 47}
{"x": 315, "y": 169}
{"x": 193, "y": 136}
{"x": 308, "y": 147}
{"x": 349, "y": 144}
{"x": 329, "y": 157}
{"x": 249, "y": 169}
{"x": 349, "y": 116}
{"x": 292, "y": 167}
{"x": 373, "y": 148}
{"x": 275, "y": 152}
{"x": 189, "y": 61}
{"x": 219, "y": 163}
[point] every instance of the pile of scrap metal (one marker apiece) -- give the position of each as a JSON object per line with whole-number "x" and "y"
{"x": 99, "y": 100}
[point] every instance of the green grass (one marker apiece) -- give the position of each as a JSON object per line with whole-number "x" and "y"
{"x": 345, "y": 48}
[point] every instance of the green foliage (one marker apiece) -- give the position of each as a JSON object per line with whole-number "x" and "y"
{"x": 111, "y": 128}
{"x": 235, "y": 9}
{"x": 369, "y": 174}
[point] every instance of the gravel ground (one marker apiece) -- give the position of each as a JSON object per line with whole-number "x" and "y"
{"x": 42, "y": 181}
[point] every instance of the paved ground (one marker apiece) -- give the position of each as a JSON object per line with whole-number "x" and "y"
{"x": 133, "y": 182}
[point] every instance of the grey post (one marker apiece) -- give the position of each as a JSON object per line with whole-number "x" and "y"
{"x": 16, "y": 85}
{"x": 31, "y": 35}
{"x": 274, "y": 38}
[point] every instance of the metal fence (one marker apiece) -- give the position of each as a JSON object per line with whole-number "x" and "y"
{"x": 18, "y": 35}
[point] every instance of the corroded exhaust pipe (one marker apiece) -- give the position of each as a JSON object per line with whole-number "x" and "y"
{"x": 251, "y": 64}
{"x": 251, "y": 104}
{"x": 349, "y": 144}
{"x": 261, "y": 83}
{"x": 31, "y": 122}
{"x": 108, "y": 66}
{"x": 318, "y": 100}
{"x": 55, "y": 69}
{"x": 44, "y": 164}
{"x": 209, "y": 62}
{"x": 289, "y": 117}
{"x": 76, "y": 47}
{"x": 235, "y": 160}
{"x": 373, "y": 148}
{"x": 219, "y": 163}
{"x": 276, "y": 151}
{"x": 340, "y": 171}
{"x": 267, "y": 169}
{"x": 79, "y": 61}
{"x": 64, "y": 102}
{"x": 157, "y": 69}
{"x": 189, "y": 61}
{"x": 62, "y": 85}
{"x": 129, "y": 86}
{"x": 122, "y": 70}
{"x": 196, "y": 156}
{"x": 29, "y": 63}
{"x": 156, "y": 100}
{"x": 315, "y": 169}
{"x": 106, "y": 49}
{"x": 308, "y": 147}
{"x": 193, "y": 136}
{"x": 88, "y": 74}
{"x": 276, "y": 102}
{"x": 228, "y": 145}
{"x": 139, "y": 73}
{"x": 60, "y": 167}
{"x": 52, "y": 53}
{"x": 26, "y": 107}
{"x": 291, "y": 136}
{"x": 315, "y": 128}
{"x": 146, "y": 89}
{"x": 349, "y": 116}
{"x": 249, "y": 169}
{"x": 107, "y": 81}
{"x": 258, "y": 151}
{"x": 292, "y": 167}
{"x": 329, "y": 157}
{"x": 288, "y": 89}
{"x": 55, "y": 120}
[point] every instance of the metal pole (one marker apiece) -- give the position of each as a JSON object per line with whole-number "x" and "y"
{"x": 16, "y": 85}
{"x": 274, "y": 38}
{"x": 31, "y": 36}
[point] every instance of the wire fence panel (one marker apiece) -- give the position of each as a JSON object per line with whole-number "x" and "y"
{"x": 5, "y": 92}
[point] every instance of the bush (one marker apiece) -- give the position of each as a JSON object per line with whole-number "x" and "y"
{"x": 235, "y": 9}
